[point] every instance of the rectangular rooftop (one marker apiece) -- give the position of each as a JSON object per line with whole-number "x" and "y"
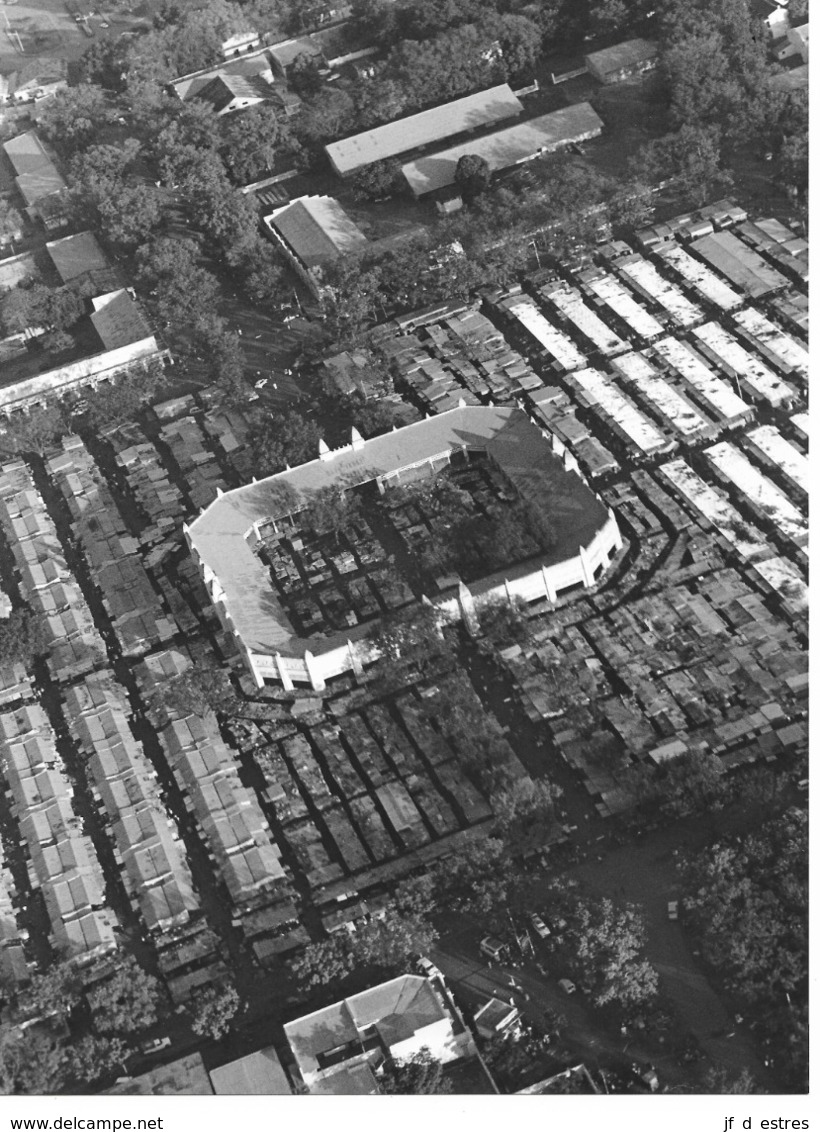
{"x": 417, "y": 130}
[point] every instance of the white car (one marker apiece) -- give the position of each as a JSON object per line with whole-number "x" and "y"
{"x": 539, "y": 925}
{"x": 567, "y": 986}
{"x": 428, "y": 968}
{"x": 672, "y": 909}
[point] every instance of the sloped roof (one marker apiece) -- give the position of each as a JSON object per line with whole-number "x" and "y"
{"x": 75, "y": 255}
{"x": 118, "y": 320}
{"x": 26, "y": 153}
{"x": 398, "y": 1009}
{"x": 417, "y": 130}
{"x": 221, "y": 91}
{"x": 505, "y": 147}
{"x": 258, "y": 1074}
{"x": 184, "y": 1077}
{"x": 622, "y": 55}
{"x": 317, "y": 229}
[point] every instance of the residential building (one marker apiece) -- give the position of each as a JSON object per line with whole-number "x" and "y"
{"x": 397, "y": 1020}
{"x": 240, "y": 44}
{"x": 37, "y": 179}
{"x": 258, "y": 1074}
{"x": 625, "y": 60}
{"x": 497, "y": 1018}
{"x": 184, "y": 1077}
{"x": 505, "y": 148}
{"x": 238, "y": 84}
{"x": 126, "y": 344}
{"x": 418, "y": 130}
{"x": 314, "y": 232}
{"x": 773, "y": 14}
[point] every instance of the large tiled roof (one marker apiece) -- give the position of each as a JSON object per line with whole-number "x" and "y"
{"x": 118, "y": 320}
{"x": 76, "y": 255}
{"x": 429, "y": 126}
{"x": 317, "y": 229}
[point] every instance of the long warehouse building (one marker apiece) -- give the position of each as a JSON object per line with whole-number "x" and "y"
{"x": 417, "y": 130}
{"x": 504, "y": 148}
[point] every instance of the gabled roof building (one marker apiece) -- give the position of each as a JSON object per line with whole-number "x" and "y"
{"x": 394, "y": 1020}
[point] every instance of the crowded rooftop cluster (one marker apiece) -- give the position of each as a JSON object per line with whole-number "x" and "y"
{"x": 404, "y": 547}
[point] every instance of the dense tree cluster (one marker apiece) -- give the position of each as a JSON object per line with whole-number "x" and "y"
{"x": 402, "y": 929}
{"x": 22, "y": 637}
{"x": 77, "y": 1025}
{"x": 214, "y": 1010}
{"x": 606, "y": 943}
{"x": 420, "y": 1075}
{"x": 748, "y": 901}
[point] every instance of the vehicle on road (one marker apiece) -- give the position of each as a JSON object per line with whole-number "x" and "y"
{"x": 492, "y": 947}
{"x": 672, "y": 909}
{"x": 428, "y": 968}
{"x": 155, "y": 1045}
{"x": 263, "y": 381}
{"x": 539, "y": 925}
{"x": 567, "y": 986}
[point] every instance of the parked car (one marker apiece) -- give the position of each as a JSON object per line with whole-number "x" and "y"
{"x": 672, "y": 909}
{"x": 539, "y": 925}
{"x": 428, "y": 968}
{"x": 492, "y": 947}
{"x": 567, "y": 986}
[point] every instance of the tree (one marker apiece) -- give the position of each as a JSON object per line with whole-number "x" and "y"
{"x": 378, "y": 180}
{"x": 330, "y": 510}
{"x": 420, "y": 1075}
{"x": 477, "y": 880}
{"x": 57, "y": 342}
{"x": 54, "y": 992}
{"x": 214, "y": 1011}
{"x": 691, "y": 157}
{"x": 748, "y": 902}
{"x": 286, "y": 439}
{"x": 608, "y": 16}
{"x": 266, "y": 280}
{"x": 75, "y": 117}
{"x": 693, "y": 782}
{"x": 36, "y": 431}
{"x": 525, "y": 809}
{"x": 126, "y": 1002}
{"x": 410, "y": 636}
{"x": 32, "y": 1061}
{"x": 521, "y": 43}
{"x": 184, "y": 292}
{"x": 121, "y": 399}
{"x": 251, "y": 142}
{"x": 605, "y": 943}
{"x": 202, "y": 688}
{"x": 472, "y": 175}
{"x": 721, "y": 1081}
{"x": 90, "y": 1058}
{"x": 304, "y": 76}
{"x": 401, "y": 931}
